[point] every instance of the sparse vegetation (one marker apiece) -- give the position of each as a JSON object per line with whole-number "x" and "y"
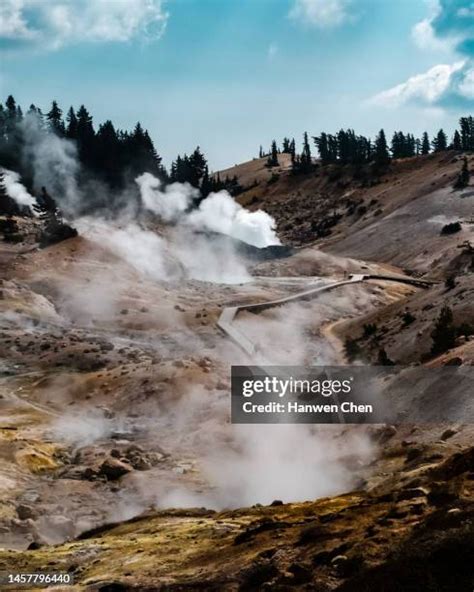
{"x": 383, "y": 359}
{"x": 408, "y": 318}
{"x": 462, "y": 180}
{"x": 451, "y": 228}
{"x": 9, "y": 229}
{"x": 54, "y": 228}
{"x": 370, "y": 329}
{"x": 352, "y": 349}
{"x": 272, "y": 160}
{"x": 450, "y": 282}
{"x": 444, "y": 332}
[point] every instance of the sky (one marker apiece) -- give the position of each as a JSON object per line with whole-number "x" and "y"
{"x": 229, "y": 75}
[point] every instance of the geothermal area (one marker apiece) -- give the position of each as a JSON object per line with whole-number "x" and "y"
{"x": 119, "y": 464}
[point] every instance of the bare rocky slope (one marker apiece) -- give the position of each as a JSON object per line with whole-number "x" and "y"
{"x": 114, "y": 390}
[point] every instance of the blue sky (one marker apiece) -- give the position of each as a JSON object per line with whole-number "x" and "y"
{"x": 231, "y": 74}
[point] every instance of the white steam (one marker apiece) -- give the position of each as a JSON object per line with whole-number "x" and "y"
{"x": 219, "y": 212}
{"x": 54, "y": 161}
{"x": 16, "y": 190}
{"x": 168, "y": 203}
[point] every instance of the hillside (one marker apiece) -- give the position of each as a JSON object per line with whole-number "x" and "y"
{"x": 348, "y": 212}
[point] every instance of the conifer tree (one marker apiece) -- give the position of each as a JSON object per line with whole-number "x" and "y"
{"x": 444, "y": 332}
{"x": 440, "y": 143}
{"x": 456, "y": 143}
{"x": 55, "y": 119}
{"x": 272, "y": 160}
{"x": 54, "y": 228}
{"x": 286, "y": 146}
{"x": 85, "y": 136}
{"x": 71, "y": 128}
{"x": 292, "y": 150}
{"x": 381, "y": 150}
{"x": 466, "y": 125}
{"x": 463, "y": 178}
{"x": 425, "y": 144}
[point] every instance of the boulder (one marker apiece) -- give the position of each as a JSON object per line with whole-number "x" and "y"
{"x": 113, "y": 469}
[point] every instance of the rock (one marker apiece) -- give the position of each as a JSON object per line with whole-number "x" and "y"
{"x": 257, "y": 574}
{"x": 89, "y": 474}
{"x": 35, "y": 545}
{"x": 339, "y": 560}
{"x": 444, "y": 492}
{"x": 134, "y": 448}
{"x": 456, "y": 361}
{"x": 414, "y": 452}
{"x": 141, "y": 464}
{"x": 276, "y": 503}
{"x": 24, "y": 512}
{"x": 113, "y": 469}
{"x": 384, "y": 434}
{"x": 412, "y": 493}
{"x": 301, "y": 574}
{"x": 449, "y": 433}
{"x": 345, "y": 566}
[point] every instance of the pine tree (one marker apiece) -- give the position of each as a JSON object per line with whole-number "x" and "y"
{"x": 197, "y": 167}
{"x": 292, "y": 150}
{"x": 440, "y": 143}
{"x": 456, "y": 144}
{"x": 286, "y": 146}
{"x": 418, "y": 146}
{"x": 381, "y": 151}
{"x": 54, "y": 229}
{"x": 383, "y": 359}
{"x": 323, "y": 148}
{"x": 463, "y": 178}
{"x": 55, "y": 119}
{"x": 107, "y": 149}
{"x": 425, "y": 144}
{"x": 85, "y": 136}
{"x": 260, "y": 152}
{"x": 272, "y": 160}
{"x": 71, "y": 128}
{"x": 444, "y": 332}
{"x": 466, "y": 125}
{"x": 306, "y": 162}
{"x": 36, "y": 113}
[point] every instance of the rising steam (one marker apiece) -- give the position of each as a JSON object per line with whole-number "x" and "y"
{"x": 16, "y": 190}
{"x": 219, "y": 212}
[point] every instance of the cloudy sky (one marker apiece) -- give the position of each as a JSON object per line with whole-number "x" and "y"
{"x": 232, "y": 74}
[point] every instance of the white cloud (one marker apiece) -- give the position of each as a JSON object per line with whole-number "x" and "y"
{"x": 438, "y": 83}
{"x": 425, "y": 37}
{"x": 55, "y": 23}
{"x": 321, "y": 13}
